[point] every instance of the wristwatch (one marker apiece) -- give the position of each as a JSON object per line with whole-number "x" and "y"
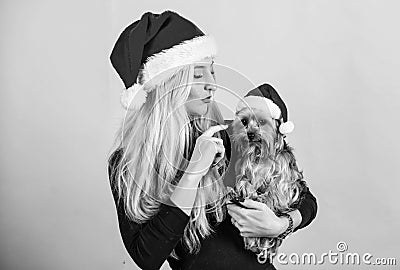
{"x": 289, "y": 229}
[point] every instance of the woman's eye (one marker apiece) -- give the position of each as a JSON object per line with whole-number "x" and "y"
{"x": 198, "y": 76}
{"x": 244, "y": 122}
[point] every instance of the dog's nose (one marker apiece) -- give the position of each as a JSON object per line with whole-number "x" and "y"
{"x": 250, "y": 135}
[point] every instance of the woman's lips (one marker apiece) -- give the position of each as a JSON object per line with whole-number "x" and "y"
{"x": 207, "y": 99}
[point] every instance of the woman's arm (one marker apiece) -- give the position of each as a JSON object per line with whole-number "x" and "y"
{"x": 304, "y": 214}
{"x": 206, "y": 150}
{"x": 307, "y": 208}
{"x": 150, "y": 243}
{"x": 260, "y": 221}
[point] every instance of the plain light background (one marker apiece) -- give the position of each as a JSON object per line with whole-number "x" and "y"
{"x": 336, "y": 64}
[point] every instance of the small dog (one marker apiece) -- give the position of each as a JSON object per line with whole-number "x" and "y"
{"x": 266, "y": 171}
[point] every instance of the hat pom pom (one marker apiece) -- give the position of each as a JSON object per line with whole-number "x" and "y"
{"x": 133, "y": 97}
{"x": 286, "y": 128}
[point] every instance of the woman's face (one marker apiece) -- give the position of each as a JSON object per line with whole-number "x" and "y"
{"x": 203, "y": 88}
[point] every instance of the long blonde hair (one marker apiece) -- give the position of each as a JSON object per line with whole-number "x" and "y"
{"x": 157, "y": 142}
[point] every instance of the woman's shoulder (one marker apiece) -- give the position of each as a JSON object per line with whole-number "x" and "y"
{"x": 115, "y": 157}
{"x": 113, "y": 161}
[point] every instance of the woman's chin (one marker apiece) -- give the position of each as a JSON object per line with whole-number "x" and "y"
{"x": 199, "y": 110}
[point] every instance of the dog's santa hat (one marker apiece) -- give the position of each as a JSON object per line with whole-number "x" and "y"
{"x": 266, "y": 98}
{"x": 156, "y": 44}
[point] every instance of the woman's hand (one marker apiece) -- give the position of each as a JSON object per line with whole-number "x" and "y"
{"x": 208, "y": 150}
{"x": 257, "y": 220}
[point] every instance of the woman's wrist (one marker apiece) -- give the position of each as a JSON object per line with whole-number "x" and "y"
{"x": 289, "y": 228}
{"x": 196, "y": 169}
{"x": 192, "y": 170}
{"x": 283, "y": 224}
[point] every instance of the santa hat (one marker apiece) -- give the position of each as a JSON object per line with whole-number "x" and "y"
{"x": 266, "y": 98}
{"x": 156, "y": 44}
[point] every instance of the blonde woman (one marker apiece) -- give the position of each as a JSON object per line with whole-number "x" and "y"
{"x": 166, "y": 173}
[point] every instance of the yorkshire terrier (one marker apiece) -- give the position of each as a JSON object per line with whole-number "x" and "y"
{"x": 266, "y": 171}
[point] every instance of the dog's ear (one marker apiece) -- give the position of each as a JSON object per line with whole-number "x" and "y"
{"x": 280, "y": 143}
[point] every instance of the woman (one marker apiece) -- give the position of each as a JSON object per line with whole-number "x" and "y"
{"x": 166, "y": 172}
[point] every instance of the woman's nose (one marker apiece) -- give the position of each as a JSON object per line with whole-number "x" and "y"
{"x": 210, "y": 82}
{"x": 210, "y": 87}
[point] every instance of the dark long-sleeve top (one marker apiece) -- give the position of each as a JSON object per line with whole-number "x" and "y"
{"x": 150, "y": 243}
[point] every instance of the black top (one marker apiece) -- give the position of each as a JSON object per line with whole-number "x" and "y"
{"x": 150, "y": 244}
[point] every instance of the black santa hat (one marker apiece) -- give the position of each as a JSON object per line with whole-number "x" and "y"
{"x": 266, "y": 98}
{"x": 157, "y": 43}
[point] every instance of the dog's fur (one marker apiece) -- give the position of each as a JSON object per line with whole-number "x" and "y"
{"x": 266, "y": 171}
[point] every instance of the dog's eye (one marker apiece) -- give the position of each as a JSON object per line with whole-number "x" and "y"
{"x": 262, "y": 122}
{"x": 244, "y": 122}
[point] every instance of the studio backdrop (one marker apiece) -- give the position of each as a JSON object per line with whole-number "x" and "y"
{"x": 335, "y": 63}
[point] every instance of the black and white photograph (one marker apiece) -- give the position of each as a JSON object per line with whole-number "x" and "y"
{"x": 217, "y": 135}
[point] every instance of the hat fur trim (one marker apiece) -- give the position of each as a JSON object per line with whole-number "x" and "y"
{"x": 133, "y": 97}
{"x": 186, "y": 52}
{"x": 260, "y": 103}
{"x": 162, "y": 65}
{"x": 286, "y": 128}
{"x": 269, "y": 107}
